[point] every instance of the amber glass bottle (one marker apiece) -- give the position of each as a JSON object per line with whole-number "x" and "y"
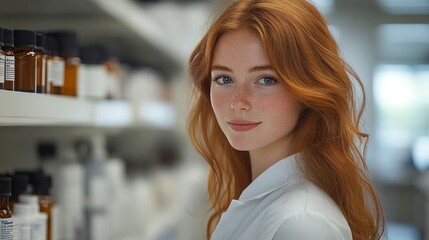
{"x": 2, "y": 57}
{"x": 41, "y": 186}
{"x": 69, "y": 51}
{"x": 6, "y": 222}
{"x": 25, "y": 60}
{"x": 40, "y": 62}
{"x": 54, "y": 77}
{"x": 9, "y": 61}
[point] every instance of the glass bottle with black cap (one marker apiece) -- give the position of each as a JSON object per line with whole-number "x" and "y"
{"x": 25, "y": 60}
{"x": 6, "y": 222}
{"x": 68, "y": 49}
{"x": 9, "y": 61}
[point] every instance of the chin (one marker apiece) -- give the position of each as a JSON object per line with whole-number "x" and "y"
{"x": 241, "y": 146}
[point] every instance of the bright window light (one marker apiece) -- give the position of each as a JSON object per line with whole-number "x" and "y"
{"x": 325, "y": 6}
{"x": 393, "y": 86}
{"x": 405, "y": 6}
{"x": 420, "y": 153}
{"x": 404, "y": 33}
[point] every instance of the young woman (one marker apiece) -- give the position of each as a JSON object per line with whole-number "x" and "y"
{"x": 274, "y": 116}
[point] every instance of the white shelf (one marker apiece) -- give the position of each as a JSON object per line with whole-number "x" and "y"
{"x": 19, "y": 108}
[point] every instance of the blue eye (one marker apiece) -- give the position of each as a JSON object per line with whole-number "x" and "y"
{"x": 223, "y": 80}
{"x": 267, "y": 81}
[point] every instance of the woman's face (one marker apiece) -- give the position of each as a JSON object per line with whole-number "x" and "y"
{"x": 252, "y": 106}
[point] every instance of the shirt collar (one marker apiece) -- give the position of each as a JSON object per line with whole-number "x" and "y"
{"x": 277, "y": 175}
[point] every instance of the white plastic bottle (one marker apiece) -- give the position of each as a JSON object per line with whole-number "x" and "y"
{"x": 39, "y": 219}
{"x": 98, "y": 226}
{"x": 22, "y": 215}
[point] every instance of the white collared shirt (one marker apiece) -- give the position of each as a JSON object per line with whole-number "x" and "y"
{"x": 282, "y": 205}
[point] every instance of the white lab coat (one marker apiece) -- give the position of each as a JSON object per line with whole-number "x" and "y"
{"x": 281, "y": 204}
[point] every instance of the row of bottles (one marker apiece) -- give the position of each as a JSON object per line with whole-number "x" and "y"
{"x": 100, "y": 196}
{"x": 53, "y": 63}
{"x": 27, "y": 216}
{"x": 89, "y": 190}
{"x": 38, "y": 62}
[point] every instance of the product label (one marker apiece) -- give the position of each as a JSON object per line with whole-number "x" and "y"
{"x": 2, "y": 58}
{"x": 39, "y": 228}
{"x": 22, "y": 228}
{"x": 10, "y": 68}
{"x": 56, "y": 72}
{"x": 6, "y": 229}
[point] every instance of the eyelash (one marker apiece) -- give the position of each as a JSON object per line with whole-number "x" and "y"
{"x": 217, "y": 78}
{"x": 269, "y": 77}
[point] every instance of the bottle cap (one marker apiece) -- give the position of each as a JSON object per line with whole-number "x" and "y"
{"x": 24, "y": 38}
{"x": 1, "y": 36}
{"x": 5, "y": 186}
{"x": 51, "y": 46}
{"x": 28, "y": 173}
{"x": 90, "y": 55}
{"x": 22, "y": 209}
{"x": 19, "y": 184}
{"x": 67, "y": 43}
{"x": 7, "y": 37}
{"x": 110, "y": 51}
{"x": 42, "y": 184}
{"x": 40, "y": 41}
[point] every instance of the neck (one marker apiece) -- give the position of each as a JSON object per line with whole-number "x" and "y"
{"x": 262, "y": 159}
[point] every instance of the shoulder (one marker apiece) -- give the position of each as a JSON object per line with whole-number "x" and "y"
{"x": 309, "y": 226}
{"x": 307, "y": 212}
{"x": 304, "y": 197}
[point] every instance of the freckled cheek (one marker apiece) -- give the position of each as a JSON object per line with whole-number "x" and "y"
{"x": 279, "y": 105}
{"x": 220, "y": 102}
{"x": 267, "y": 102}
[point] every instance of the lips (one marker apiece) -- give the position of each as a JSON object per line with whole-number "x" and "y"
{"x": 242, "y": 125}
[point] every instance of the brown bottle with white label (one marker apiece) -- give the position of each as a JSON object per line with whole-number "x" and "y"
{"x": 68, "y": 49}
{"x": 9, "y": 61}
{"x": 6, "y": 221}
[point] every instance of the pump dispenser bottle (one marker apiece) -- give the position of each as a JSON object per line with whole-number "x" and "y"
{"x": 9, "y": 66}
{"x": 6, "y": 222}
{"x": 25, "y": 60}
{"x": 69, "y": 51}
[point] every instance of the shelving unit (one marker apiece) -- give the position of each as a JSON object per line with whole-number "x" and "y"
{"x": 28, "y": 118}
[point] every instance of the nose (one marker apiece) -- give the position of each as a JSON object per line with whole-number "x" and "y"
{"x": 241, "y": 99}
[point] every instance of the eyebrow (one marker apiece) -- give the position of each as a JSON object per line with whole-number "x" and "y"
{"x": 252, "y": 69}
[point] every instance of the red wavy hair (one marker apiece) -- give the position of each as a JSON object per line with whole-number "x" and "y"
{"x": 306, "y": 57}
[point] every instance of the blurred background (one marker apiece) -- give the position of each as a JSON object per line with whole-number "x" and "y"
{"x": 116, "y": 155}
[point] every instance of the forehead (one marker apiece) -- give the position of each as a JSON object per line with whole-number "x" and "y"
{"x": 238, "y": 47}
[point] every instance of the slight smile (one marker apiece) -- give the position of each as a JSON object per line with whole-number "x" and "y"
{"x": 242, "y": 125}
